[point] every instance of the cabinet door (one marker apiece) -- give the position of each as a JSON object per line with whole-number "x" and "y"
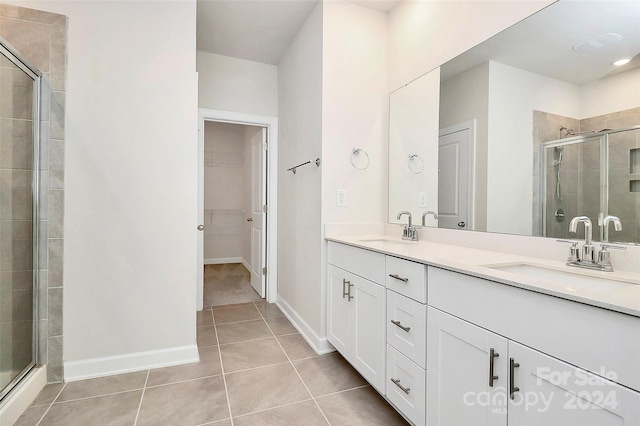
{"x": 368, "y": 341}
{"x": 458, "y": 372}
{"x": 339, "y": 308}
{"x": 551, "y": 391}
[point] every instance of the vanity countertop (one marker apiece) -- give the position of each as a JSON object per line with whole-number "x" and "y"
{"x": 621, "y": 298}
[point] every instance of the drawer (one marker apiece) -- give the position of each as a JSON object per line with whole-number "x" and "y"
{"x": 407, "y": 278}
{"x": 364, "y": 263}
{"x": 407, "y": 327}
{"x": 406, "y": 386}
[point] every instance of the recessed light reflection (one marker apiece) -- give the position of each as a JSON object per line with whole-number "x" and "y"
{"x": 621, "y": 62}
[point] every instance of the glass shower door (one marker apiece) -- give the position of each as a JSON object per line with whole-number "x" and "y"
{"x": 18, "y": 186}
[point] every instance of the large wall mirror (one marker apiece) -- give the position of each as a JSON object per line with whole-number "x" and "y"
{"x": 535, "y": 126}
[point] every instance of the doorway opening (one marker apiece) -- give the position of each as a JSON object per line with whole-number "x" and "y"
{"x": 237, "y": 214}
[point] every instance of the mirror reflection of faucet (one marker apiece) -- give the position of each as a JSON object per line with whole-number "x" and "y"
{"x": 410, "y": 232}
{"x": 435, "y": 216}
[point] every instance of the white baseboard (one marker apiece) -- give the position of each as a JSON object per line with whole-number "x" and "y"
{"x": 221, "y": 260}
{"x": 127, "y": 363}
{"x": 22, "y": 396}
{"x": 319, "y": 344}
{"x": 246, "y": 265}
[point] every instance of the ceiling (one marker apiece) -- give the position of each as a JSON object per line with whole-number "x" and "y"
{"x": 257, "y": 30}
{"x": 543, "y": 43}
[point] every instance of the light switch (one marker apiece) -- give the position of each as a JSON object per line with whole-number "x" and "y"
{"x": 341, "y": 198}
{"x": 422, "y": 199}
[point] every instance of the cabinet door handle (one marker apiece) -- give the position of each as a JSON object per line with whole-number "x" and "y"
{"x": 397, "y": 323}
{"x": 512, "y": 380}
{"x": 397, "y": 383}
{"x": 349, "y": 296}
{"x": 397, "y": 277}
{"x": 345, "y": 292}
{"x": 492, "y": 354}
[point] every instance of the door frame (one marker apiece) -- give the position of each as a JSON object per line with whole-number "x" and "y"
{"x": 271, "y": 180}
{"x": 471, "y": 177}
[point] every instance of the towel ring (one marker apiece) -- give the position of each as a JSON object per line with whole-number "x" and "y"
{"x": 416, "y": 164}
{"x": 355, "y": 152}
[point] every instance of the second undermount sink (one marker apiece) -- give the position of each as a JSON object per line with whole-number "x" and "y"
{"x": 569, "y": 280}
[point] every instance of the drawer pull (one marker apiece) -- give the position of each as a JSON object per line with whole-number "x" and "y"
{"x": 397, "y": 277}
{"x": 400, "y": 325}
{"x": 344, "y": 288}
{"x": 492, "y": 354}
{"x": 512, "y": 380}
{"x": 397, "y": 383}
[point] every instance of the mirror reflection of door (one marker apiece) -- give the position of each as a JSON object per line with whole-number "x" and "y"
{"x": 258, "y": 215}
{"x": 455, "y": 191}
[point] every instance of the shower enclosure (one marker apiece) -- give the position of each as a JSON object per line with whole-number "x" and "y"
{"x": 594, "y": 175}
{"x": 19, "y": 154}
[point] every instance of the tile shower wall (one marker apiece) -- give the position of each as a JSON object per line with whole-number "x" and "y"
{"x": 580, "y": 173}
{"x": 40, "y": 37}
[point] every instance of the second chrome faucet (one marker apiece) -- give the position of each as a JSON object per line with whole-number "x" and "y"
{"x": 586, "y": 258}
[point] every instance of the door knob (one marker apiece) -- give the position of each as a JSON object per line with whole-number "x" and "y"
{"x": 461, "y": 224}
{"x": 200, "y": 227}
{"x": 249, "y": 219}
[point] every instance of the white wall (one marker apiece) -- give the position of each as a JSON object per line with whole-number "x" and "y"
{"x": 425, "y": 34}
{"x": 616, "y": 93}
{"x": 224, "y": 183}
{"x": 513, "y": 95}
{"x": 130, "y": 204}
{"x": 238, "y": 85}
{"x": 299, "y": 195}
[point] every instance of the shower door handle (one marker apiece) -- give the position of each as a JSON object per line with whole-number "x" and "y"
{"x": 200, "y": 227}
{"x": 249, "y": 219}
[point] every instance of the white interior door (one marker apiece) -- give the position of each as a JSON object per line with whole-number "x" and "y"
{"x": 258, "y": 215}
{"x": 453, "y": 180}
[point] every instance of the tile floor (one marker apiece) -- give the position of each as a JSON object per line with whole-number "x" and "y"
{"x": 254, "y": 369}
{"x": 228, "y": 284}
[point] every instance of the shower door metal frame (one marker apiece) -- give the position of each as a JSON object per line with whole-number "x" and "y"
{"x": 604, "y": 171}
{"x": 12, "y": 55}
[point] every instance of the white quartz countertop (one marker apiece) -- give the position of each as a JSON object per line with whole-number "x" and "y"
{"x": 620, "y": 292}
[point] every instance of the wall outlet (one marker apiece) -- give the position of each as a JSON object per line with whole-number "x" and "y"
{"x": 422, "y": 199}
{"x": 341, "y": 198}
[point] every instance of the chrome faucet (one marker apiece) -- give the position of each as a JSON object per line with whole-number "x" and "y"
{"x": 435, "y": 216}
{"x": 616, "y": 223}
{"x": 587, "y": 248}
{"x": 409, "y": 232}
{"x": 585, "y": 258}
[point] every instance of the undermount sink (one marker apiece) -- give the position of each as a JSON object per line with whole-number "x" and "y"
{"x": 385, "y": 240}
{"x": 569, "y": 280}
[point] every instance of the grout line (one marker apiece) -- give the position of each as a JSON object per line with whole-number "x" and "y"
{"x": 224, "y": 378}
{"x": 99, "y": 396}
{"x": 300, "y": 377}
{"x": 51, "y": 405}
{"x": 256, "y": 368}
{"x": 246, "y": 341}
{"x": 183, "y": 381}
{"x": 135, "y": 422}
{"x": 274, "y": 408}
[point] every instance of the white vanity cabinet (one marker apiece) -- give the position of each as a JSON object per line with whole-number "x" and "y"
{"x": 476, "y": 376}
{"x": 357, "y": 310}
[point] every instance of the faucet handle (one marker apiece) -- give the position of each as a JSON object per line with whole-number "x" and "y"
{"x": 605, "y": 246}
{"x": 575, "y": 252}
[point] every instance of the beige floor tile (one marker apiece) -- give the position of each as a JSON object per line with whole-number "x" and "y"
{"x": 206, "y": 336}
{"x": 242, "y": 331}
{"x": 112, "y": 410}
{"x": 296, "y": 347}
{"x": 362, "y": 406}
{"x": 232, "y": 306}
{"x": 281, "y": 326}
{"x": 31, "y": 416}
{"x": 264, "y": 388}
{"x": 303, "y": 413}
{"x": 269, "y": 310}
{"x": 48, "y": 394}
{"x": 256, "y": 353}
{"x": 209, "y": 365}
{"x": 328, "y": 374}
{"x": 204, "y": 317}
{"x": 244, "y": 313}
{"x": 187, "y": 403}
{"x": 220, "y": 423}
{"x": 103, "y": 386}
